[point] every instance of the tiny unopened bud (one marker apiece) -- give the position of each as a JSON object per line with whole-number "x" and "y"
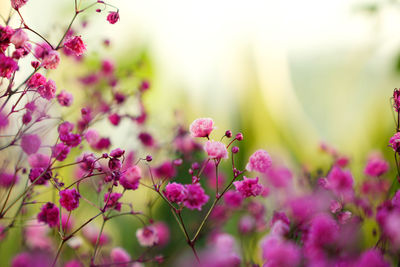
{"x": 105, "y": 155}
{"x": 195, "y": 166}
{"x": 149, "y": 158}
{"x": 239, "y": 136}
{"x": 228, "y": 133}
{"x": 235, "y": 149}
{"x": 177, "y": 162}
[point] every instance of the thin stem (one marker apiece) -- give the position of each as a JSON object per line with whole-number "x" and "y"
{"x": 58, "y": 252}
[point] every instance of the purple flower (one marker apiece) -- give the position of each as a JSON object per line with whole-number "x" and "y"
{"x": 49, "y": 214}
{"x": 69, "y": 199}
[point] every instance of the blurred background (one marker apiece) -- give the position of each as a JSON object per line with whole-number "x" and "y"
{"x": 288, "y": 74}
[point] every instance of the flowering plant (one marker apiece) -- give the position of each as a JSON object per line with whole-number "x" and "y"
{"x": 48, "y": 197}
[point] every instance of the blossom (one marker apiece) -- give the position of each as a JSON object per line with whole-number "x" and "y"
{"x": 201, "y": 127}
{"x": 341, "y": 182}
{"x": 3, "y": 120}
{"x": 49, "y": 214}
{"x": 233, "y": 199}
{"x": 372, "y": 258}
{"x": 248, "y": 187}
{"x": 195, "y": 197}
{"x": 69, "y": 199}
{"x": 376, "y": 166}
{"x": 119, "y": 255}
{"x": 114, "y": 119}
{"x": 394, "y": 142}
{"x": 117, "y": 153}
{"x": 165, "y": 170}
{"x": 65, "y": 99}
{"x": 37, "y": 80}
{"x": 163, "y": 233}
{"x": 48, "y": 91}
{"x": 19, "y": 38}
{"x": 8, "y": 179}
{"x": 131, "y": 177}
{"x": 39, "y": 176}
{"x": 39, "y": 160}
{"x": 216, "y": 150}
{"x": 147, "y": 236}
{"x": 17, "y": 4}
{"x": 51, "y": 60}
{"x": 5, "y": 36}
{"x": 111, "y": 200}
{"x": 60, "y": 151}
{"x": 75, "y": 45}
{"x": 113, "y": 17}
{"x": 323, "y": 231}
{"x": 260, "y": 161}
{"x": 7, "y": 66}
{"x": 91, "y": 234}
{"x": 280, "y": 253}
{"x": 146, "y": 139}
{"x": 30, "y": 143}
{"x": 175, "y": 192}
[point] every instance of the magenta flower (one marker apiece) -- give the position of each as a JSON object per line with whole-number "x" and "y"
{"x": 69, "y": 199}
{"x": 279, "y": 177}
{"x": 8, "y": 179}
{"x": 394, "y": 142}
{"x": 323, "y": 231}
{"x": 163, "y": 233}
{"x": 340, "y": 182}
{"x": 113, "y": 17}
{"x": 131, "y": 177}
{"x": 117, "y": 153}
{"x": 376, "y": 166}
{"x": 146, "y": 139}
{"x": 5, "y": 36}
{"x": 39, "y": 160}
{"x": 119, "y": 255}
{"x": 30, "y": 143}
{"x": 248, "y": 187}
{"x": 260, "y": 161}
{"x": 7, "y": 66}
{"x": 147, "y": 236}
{"x": 19, "y": 38}
{"x": 372, "y": 258}
{"x": 3, "y": 120}
{"x": 37, "y": 80}
{"x": 65, "y": 99}
{"x": 48, "y": 91}
{"x": 75, "y": 45}
{"x": 175, "y": 192}
{"x": 60, "y": 151}
{"x": 111, "y": 200}
{"x": 165, "y": 170}
{"x": 216, "y": 150}
{"x": 280, "y": 253}
{"x": 114, "y": 119}
{"x": 195, "y": 197}
{"x": 17, "y": 4}
{"x": 233, "y": 199}
{"x": 49, "y": 214}
{"x": 35, "y": 173}
{"x": 51, "y": 60}
{"x": 201, "y": 127}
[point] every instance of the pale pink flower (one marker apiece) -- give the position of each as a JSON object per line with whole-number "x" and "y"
{"x": 216, "y": 150}
{"x": 147, "y": 236}
{"x": 201, "y": 127}
{"x": 260, "y": 161}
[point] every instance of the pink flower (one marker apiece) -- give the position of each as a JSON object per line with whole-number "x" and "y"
{"x": 8, "y": 179}
{"x": 39, "y": 160}
{"x": 69, "y": 199}
{"x": 48, "y": 91}
{"x": 163, "y": 233}
{"x": 5, "y": 36}
{"x": 376, "y": 166}
{"x": 37, "y": 80}
{"x": 323, "y": 231}
{"x": 394, "y": 142}
{"x": 36, "y": 236}
{"x": 49, "y": 214}
{"x": 37, "y": 172}
{"x": 60, "y": 151}
{"x": 3, "y": 120}
{"x": 30, "y": 143}
{"x": 340, "y": 182}
{"x": 260, "y": 161}
{"x": 65, "y": 99}
{"x": 195, "y": 197}
{"x": 233, "y": 199}
{"x": 19, "y": 38}
{"x": 51, "y": 60}
{"x": 248, "y": 187}
{"x": 119, "y": 255}
{"x": 114, "y": 119}
{"x": 117, "y": 153}
{"x": 146, "y": 139}
{"x": 147, "y": 236}
{"x": 111, "y": 200}
{"x": 279, "y": 177}
{"x": 17, "y": 4}
{"x": 280, "y": 253}
{"x": 216, "y": 150}
{"x": 372, "y": 258}
{"x": 113, "y": 17}
{"x": 165, "y": 170}
{"x": 73, "y": 263}
{"x": 131, "y": 177}
{"x": 7, "y": 66}
{"x": 75, "y": 45}
{"x": 175, "y": 192}
{"x": 201, "y": 127}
